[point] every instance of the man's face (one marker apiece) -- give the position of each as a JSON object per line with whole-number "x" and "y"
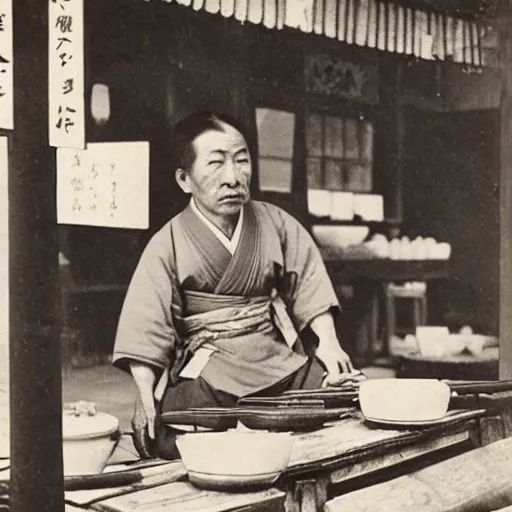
{"x": 220, "y": 176}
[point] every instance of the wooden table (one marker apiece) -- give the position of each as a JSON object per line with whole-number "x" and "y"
{"x": 336, "y": 454}
{"x": 453, "y": 367}
{"x": 368, "y": 278}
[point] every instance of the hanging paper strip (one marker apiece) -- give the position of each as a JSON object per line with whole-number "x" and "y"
{"x": 378, "y": 24}
{"x": 6, "y": 66}
{"x": 4, "y": 290}
{"x": 372, "y": 24}
{"x": 66, "y": 74}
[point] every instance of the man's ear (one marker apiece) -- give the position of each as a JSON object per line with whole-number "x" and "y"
{"x": 182, "y": 178}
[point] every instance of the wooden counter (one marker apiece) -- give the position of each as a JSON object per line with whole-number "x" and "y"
{"x": 338, "y": 453}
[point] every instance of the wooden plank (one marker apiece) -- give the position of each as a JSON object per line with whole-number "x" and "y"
{"x": 475, "y": 480}
{"x": 505, "y": 317}
{"x": 348, "y": 442}
{"x": 184, "y": 497}
{"x": 397, "y": 457}
{"x": 151, "y": 477}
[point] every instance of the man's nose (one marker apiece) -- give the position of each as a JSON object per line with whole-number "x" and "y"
{"x": 230, "y": 175}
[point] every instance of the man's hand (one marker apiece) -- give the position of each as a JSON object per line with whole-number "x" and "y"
{"x": 144, "y": 377}
{"x": 335, "y": 360}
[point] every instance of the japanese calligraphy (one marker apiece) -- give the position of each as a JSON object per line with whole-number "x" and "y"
{"x": 66, "y": 75}
{"x": 68, "y": 86}
{"x": 61, "y": 41}
{"x": 113, "y": 191}
{"x": 3, "y": 71}
{"x": 65, "y": 118}
{"x": 64, "y": 23}
{"x": 107, "y": 184}
{"x": 4, "y": 250}
{"x": 6, "y": 66}
{"x": 60, "y": 3}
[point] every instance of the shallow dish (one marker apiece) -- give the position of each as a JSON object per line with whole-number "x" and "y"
{"x": 421, "y": 423}
{"x": 232, "y": 482}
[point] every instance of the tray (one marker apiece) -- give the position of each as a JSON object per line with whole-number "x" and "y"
{"x": 289, "y": 418}
{"x": 450, "y": 415}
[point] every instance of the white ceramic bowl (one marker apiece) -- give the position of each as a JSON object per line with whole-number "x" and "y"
{"x": 404, "y": 400}
{"x": 436, "y": 341}
{"x": 88, "y": 442}
{"x": 340, "y": 236}
{"x": 232, "y": 459}
{"x": 474, "y": 343}
{"x": 447, "y": 346}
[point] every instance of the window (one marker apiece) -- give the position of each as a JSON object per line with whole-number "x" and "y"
{"x": 340, "y": 153}
{"x": 275, "y": 147}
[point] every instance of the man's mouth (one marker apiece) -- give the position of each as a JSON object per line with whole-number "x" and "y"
{"x": 232, "y": 198}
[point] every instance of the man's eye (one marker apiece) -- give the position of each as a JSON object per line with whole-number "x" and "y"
{"x": 242, "y": 161}
{"x": 215, "y": 162}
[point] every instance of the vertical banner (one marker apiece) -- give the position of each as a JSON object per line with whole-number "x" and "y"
{"x": 66, "y": 109}
{"x": 6, "y": 66}
{"x": 4, "y": 301}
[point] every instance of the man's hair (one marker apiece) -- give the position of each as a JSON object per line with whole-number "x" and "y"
{"x": 189, "y": 128}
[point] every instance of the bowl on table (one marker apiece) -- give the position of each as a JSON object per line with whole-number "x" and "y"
{"x": 339, "y": 236}
{"x": 404, "y": 400}
{"x": 88, "y": 441}
{"x": 232, "y": 460}
{"x": 436, "y": 341}
{"x": 473, "y": 343}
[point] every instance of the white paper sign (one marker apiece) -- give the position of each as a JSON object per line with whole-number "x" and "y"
{"x": 66, "y": 74}
{"x": 4, "y": 194}
{"x": 107, "y": 184}
{"x": 4, "y": 294}
{"x": 6, "y": 66}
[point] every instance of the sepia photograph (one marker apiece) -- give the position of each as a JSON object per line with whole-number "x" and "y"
{"x": 255, "y": 255}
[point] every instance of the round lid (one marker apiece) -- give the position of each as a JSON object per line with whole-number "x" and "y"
{"x": 85, "y": 426}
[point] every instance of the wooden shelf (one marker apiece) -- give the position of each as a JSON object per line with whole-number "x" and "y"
{"x": 327, "y": 221}
{"x": 380, "y": 269}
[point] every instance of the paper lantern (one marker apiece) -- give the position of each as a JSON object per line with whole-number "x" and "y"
{"x": 100, "y": 103}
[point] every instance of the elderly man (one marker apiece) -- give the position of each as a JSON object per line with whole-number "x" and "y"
{"x": 223, "y": 291}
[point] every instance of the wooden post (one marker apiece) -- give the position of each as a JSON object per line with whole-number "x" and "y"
{"x": 505, "y": 316}
{"x": 35, "y": 371}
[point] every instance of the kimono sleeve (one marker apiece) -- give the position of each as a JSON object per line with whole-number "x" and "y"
{"x": 146, "y": 331}
{"x": 308, "y": 287}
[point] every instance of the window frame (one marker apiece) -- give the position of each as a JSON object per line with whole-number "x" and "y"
{"x": 340, "y": 110}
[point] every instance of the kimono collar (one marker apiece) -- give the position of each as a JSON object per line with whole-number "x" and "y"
{"x": 230, "y": 245}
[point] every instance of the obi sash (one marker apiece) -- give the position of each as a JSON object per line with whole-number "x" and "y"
{"x": 237, "y": 335}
